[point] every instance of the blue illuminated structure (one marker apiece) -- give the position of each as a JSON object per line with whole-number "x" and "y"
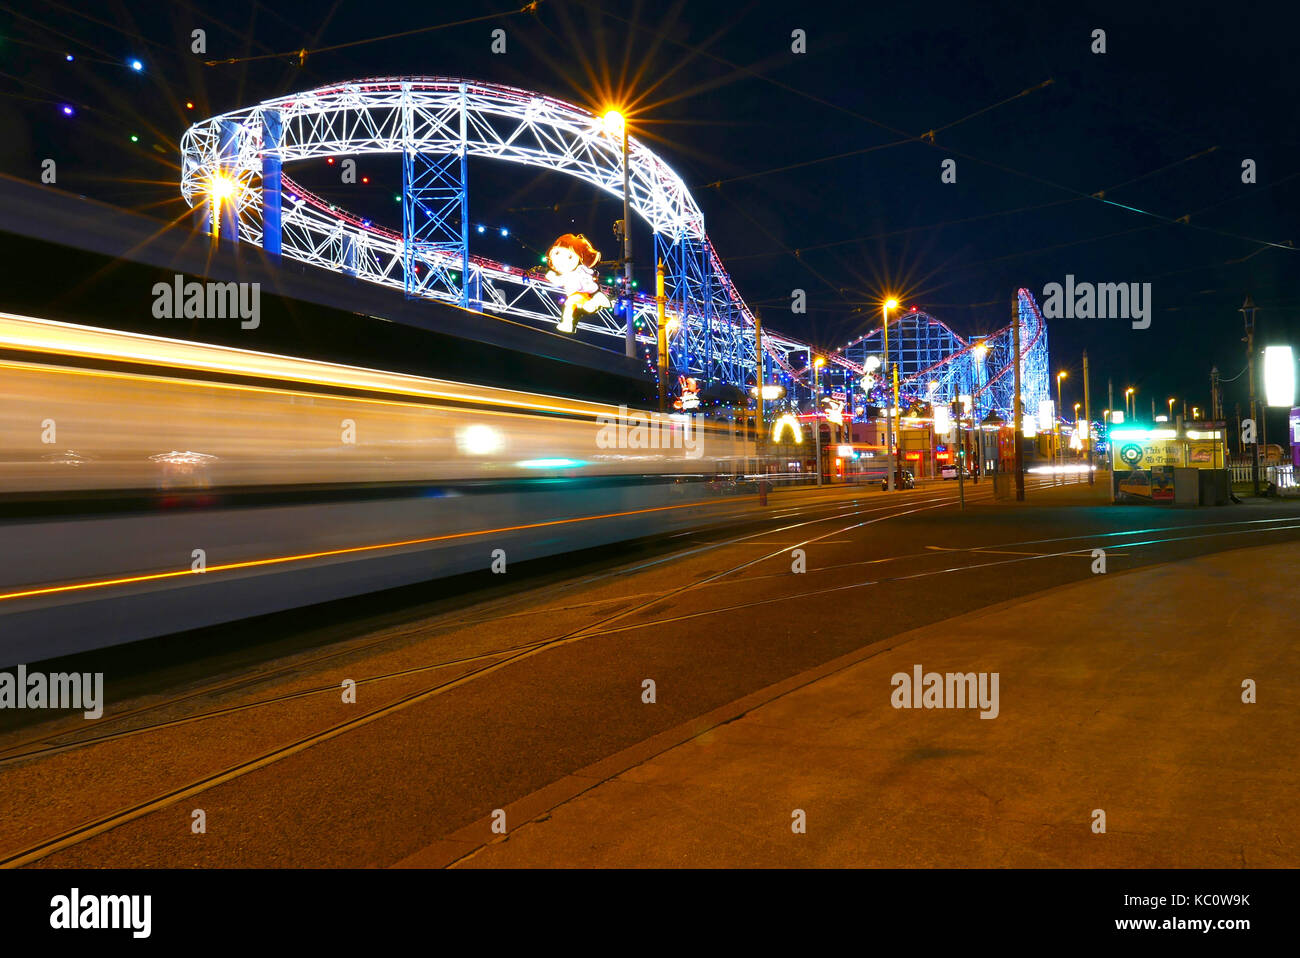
{"x": 435, "y": 124}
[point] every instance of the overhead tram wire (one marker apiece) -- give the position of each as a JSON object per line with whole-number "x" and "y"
{"x": 1036, "y": 249}
{"x": 929, "y": 138}
{"x": 879, "y": 146}
{"x": 838, "y": 290}
{"x": 909, "y": 229}
{"x": 302, "y": 54}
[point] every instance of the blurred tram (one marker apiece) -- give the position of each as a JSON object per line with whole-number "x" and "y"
{"x": 151, "y": 485}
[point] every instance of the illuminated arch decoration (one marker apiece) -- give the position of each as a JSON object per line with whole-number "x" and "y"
{"x": 787, "y": 421}
{"x": 435, "y": 124}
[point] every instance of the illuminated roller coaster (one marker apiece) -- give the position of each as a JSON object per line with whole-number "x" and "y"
{"x": 936, "y": 365}
{"x": 232, "y": 170}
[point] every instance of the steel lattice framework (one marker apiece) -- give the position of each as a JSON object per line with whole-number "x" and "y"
{"x": 935, "y": 364}
{"x": 435, "y": 124}
{"x": 231, "y": 169}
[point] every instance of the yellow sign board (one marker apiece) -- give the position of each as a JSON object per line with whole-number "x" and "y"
{"x": 1148, "y": 453}
{"x": 1205, "y": 453}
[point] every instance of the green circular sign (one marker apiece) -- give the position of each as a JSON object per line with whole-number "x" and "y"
{"x": 1131, "y": 453}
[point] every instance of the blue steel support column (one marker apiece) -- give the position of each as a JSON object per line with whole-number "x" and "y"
{"x": 272, "y": 130}
{"x": 709, "y": 325}
{"x": 228, "y": 151}
{"x": 464, "y": 200}
{"x": 349, "y": 254}
{"x": 408, "y": 221}
{"x": 434, "y": 191}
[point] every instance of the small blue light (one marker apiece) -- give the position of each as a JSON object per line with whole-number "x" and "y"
{"x": 365, "y": 222}
{"x": 136, "y": 65}
{"x": 68, "y": 111}
{"x": 505, "y": 232}
{"x": 481, "y": 228}
{"x": 69, "y": 58}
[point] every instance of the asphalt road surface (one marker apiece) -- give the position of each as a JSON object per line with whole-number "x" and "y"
{"x": 475, "y": 692}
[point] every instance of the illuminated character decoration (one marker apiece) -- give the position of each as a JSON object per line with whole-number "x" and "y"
{"x": 571, "y": 259}
{"x": 690, "y": 397}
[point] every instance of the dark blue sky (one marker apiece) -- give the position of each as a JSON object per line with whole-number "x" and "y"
{"x": 1161, "y": 122}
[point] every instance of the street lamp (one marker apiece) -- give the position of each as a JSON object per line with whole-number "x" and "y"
{"x": 1128, "y": 395}
{"x": 1059, "y": 376}
{"x": 1172, "y": 400}
{"x": 890, "y": 303}
{"x": 818, "y": 363}
{"x": 1077, "y": 406}
{"x": 614, "y": 125}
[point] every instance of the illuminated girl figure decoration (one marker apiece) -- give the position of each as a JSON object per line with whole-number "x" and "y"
{"x": 690, "y": 397}
{"x": 571, "y": 259}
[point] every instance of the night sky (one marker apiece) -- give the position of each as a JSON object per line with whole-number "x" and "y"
{"x": 1160, "y": 122}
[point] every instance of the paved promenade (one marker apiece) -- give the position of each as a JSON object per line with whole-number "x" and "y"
{"x": 1120, "y": 693}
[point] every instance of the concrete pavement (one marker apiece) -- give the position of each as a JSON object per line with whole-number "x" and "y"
{"x": 1120, "y": 693}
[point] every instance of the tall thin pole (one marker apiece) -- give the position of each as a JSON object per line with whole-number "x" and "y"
{"x": 1057, "y": 458}
{"x": 1087, "y": 416}
{"x": 661, "y": 339}
{"x": 1018, "y": 407}
{"x": 1110, "y": 416}
{"x": 889, "y": 425}
{"x": 961, "y": 454}
{"x": 817, "y": 422}
{"x": 848, "y": 396}
{"x": 760, "y": 430}
{"x": 630, "y": 339}
{"x": 1248, "y": 311}
{"x": 897, "y": 445}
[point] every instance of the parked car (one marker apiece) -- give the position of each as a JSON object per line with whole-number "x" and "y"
{"x": 949, "y": 471}
{"x": 903, "y": 479}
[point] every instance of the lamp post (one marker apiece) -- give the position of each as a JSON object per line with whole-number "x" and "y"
{"x": 1087, "y": 417}
{"x": 1248, "y": 313}
{"x": 615, "y": 124}
{"x": 890, "y": 303}
{"x": 1172, "y": 400}
{"x": 1129, "y": 398}
{"x": 1059, "y": 376}
{"x": 818, "y": 363}
{"x": 1077, "y": 407}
